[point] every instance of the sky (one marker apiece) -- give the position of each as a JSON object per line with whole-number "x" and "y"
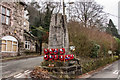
{"x": 110, "y": 6}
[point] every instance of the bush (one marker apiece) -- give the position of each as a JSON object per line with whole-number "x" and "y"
{"x": 29, "y": 52}
{"x": 95, "y": 50}
{"x": 93, "y": 65}
{"x": 83, "y": 39}
{"x": 118, "y": 46}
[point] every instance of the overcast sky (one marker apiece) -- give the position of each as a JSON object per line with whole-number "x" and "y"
{"x": 110, "y": 6}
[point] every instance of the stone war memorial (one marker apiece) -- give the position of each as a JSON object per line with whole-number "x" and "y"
{"x": 58, "y": 35}
{"x": 57, "y": 58}
{"x": 58, "y": 44}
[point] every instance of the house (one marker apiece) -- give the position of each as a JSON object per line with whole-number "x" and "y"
{"x": 15, "y": 37}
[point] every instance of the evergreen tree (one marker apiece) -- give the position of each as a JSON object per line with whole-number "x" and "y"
{"x": 111, "y": 29}
{"x": 39, "y": 22}
{"x": 47, "y": 18}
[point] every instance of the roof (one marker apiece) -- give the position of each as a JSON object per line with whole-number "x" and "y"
{"x": 29, "y": 34}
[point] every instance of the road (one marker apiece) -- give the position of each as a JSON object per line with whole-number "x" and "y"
{"x": 11, "y": 68}
{"x": 110, "y": 72}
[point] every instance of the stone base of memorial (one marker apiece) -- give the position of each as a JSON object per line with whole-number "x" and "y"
{"x": 69, "y": 67}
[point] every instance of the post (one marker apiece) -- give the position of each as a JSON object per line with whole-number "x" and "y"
{"x": 64, "y": 22}
{"x": 63, "y": 8}
{"x": 0, "y": 59}
{"x": 112, "y": 57}
{"x": 0, "y": 45}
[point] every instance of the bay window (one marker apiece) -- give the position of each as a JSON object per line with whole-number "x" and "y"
{"x": 9, "y": 44}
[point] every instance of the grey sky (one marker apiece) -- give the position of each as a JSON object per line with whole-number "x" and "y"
{"x": 110, "y": 6}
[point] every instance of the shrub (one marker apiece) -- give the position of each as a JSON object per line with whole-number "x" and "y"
{"x": 29, "y": 52}
{"x": 118, "y": 46}
{"x": 94, "y": 52}
{"x": 92, "y": 65}
{"x": 83, "y": 38}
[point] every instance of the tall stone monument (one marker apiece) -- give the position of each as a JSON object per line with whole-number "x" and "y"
{"x": 58, "y": 32}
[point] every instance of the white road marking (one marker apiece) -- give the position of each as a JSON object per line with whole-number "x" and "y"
{"x": 18, "y": 75}
{"x": 26, "y": 71}
{"x": 118, "y": 78}
{"x": 29, "y": 72}
{"x": 107, "y": 66}
{"x": 22, "y": 75}
{"x": 116, "y": 72}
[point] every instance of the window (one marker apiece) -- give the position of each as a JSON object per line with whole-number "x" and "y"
{"x": 7, "y": 20}
{"x": 3, "y": 19}
{"x": 3, "y": 10}
{"x": 8, "y": 12}
{"x": 5, "y": 16}
{"x": 14, "y": 46}
{"x": 3, "y": 45}
{"x": 27, "y": 45}
{"x": 9, "y": 44}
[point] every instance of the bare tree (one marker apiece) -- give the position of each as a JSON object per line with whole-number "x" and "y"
{"x": 90, "y": 14}
{"x": 41, "y": 6}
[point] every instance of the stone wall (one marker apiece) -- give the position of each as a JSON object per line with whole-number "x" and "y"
{"x": 32, "y": 41}
{"x": 16, "y": 27}
{"x": 17, "y": 19}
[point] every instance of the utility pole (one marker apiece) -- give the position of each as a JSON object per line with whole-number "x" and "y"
{"x": 111, "y": 44}
{"x": 63, "y": 8}
{"x": 64, "y": 24}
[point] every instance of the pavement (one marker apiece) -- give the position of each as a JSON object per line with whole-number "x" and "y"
{"x": 110, "y": 72}
{"x": 14, "y": 68}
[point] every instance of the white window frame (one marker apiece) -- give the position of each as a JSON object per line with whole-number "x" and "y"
{"x": 6, "y": 16}
{"x": 28, "y": 45}
{"x": 12, "y": 45}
